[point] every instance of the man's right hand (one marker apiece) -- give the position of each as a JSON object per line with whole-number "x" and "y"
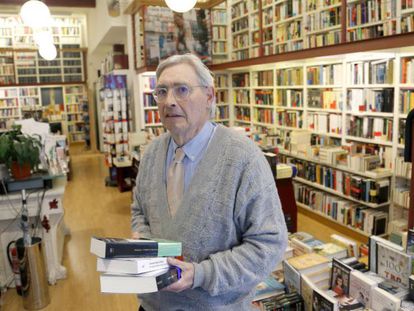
{"x": 135, "y": 235}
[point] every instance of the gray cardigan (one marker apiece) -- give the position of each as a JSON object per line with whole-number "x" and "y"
{"x": 230, "y": 222}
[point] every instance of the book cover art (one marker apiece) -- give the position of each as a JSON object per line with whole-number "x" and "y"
{"x": 308, "y": 262}
{"x": 410, "y": 242}
{"x": 322, "y": 302}
{"x": 291, "y": 278}
{"x": 269, "y": 287}
{"x": 361, "y": 288}
{"x": 340, "y": 277}
{"x": 393, "y": 265}
{"x": 383, "y": 301}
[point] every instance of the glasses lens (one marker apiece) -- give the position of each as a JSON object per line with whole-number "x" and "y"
{"x": 181, "y": 91}
{"x": 160, "y": 93}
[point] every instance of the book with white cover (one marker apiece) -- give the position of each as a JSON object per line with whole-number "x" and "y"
{"x": 143, "y": 283}
{"x": 131, "y": 265}
{"x": 361, "y": 287}
{"x": 373, "y": 241}
{"x": 382, "y": 300}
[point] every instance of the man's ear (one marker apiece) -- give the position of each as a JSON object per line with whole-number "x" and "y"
{"x": 210, "y": 95}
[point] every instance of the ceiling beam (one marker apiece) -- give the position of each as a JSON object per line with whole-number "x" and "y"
{"x": 52, "y": 3}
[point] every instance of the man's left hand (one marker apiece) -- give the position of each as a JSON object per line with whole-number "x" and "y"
{"x": 187, "y": 276}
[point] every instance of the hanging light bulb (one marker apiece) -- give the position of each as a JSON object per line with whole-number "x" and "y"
{"x": 48, "y": 51}
{"x": 35, "y": 14}
{"x": 181, "y": 6}
{"x": 43, "y": 37}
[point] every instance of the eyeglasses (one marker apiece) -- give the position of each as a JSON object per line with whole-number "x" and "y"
{"x": 180, "y": 92}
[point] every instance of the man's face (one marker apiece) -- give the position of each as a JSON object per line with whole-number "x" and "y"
{"x": 184, "y": 117}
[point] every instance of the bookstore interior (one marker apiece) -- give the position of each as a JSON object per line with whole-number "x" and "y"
{"x": 325, "y": 88}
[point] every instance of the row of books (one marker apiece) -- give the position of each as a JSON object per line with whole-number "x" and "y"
{"x": 370, "y": 100}
{"x": 263, "y": 78}
{"x": 324, "y": 19}
{"x": 324, "y": 74}
{"x": 324, "y": 122}
{"x": 290, "y": 118}
{"x": 370, "y": 11}
{"x": 402, "y": 168}
{"x": 241, "y": 97}
{"x": 407, "y": 69}
{"x": 152, "y": 116}
{"x": 401, "y": 196}
{"x": 290, "y": 76}
{"x": 363, "y": 189}
{"x": 370, "y": 221}
{"x": 370, "y": 127}
{"x": 325, "y": 99}
{"x": 263, "y": 97}
{"x": 406, "y": 101}
{"x": 263, "y": 115}
{"x": 324, "y": 39}
{"x": 288, "y": 9}
{"x": 289, "y": 31}
{"x": 371, "y": 72}
{"x": 289, "y": 98}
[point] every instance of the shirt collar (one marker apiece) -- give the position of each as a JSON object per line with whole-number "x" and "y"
{"x": 193, "y": 148}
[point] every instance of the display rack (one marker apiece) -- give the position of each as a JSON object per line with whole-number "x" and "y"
{"x": 114, "y": 113}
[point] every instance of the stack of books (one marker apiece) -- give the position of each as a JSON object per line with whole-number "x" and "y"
{"x": 135, "y": 266}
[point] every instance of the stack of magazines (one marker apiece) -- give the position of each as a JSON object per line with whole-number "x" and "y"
{"x": 135, "y": 266}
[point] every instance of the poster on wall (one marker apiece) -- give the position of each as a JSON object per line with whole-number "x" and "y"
{"x": 168, "y": 33}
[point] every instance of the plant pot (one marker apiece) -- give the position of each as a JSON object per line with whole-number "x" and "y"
{"x": 20, "y": 171}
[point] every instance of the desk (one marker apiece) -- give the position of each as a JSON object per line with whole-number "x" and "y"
{"x": 52, "y": 235}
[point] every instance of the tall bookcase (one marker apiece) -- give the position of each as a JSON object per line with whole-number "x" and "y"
{"x": 220, "y": 43}
{"x": 150, "y": 117}
{"x": 221, "y": 82}
{"x": 359, "y": 101}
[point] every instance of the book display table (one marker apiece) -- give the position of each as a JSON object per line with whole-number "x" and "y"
{"x": 45, "y": 221}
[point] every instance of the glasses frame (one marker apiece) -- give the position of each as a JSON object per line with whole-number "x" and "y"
{"x": 173, "y": 88}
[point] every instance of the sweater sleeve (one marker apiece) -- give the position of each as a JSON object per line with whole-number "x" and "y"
{"x": 259, "y": 217}
{"x": 139, "y": 222}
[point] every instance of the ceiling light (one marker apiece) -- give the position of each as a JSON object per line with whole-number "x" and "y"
{"x": 35, "y": 14}
{"x": 48, "y": 52}
{"x": 181, "y": 6}
{"x": 43, "y": 37}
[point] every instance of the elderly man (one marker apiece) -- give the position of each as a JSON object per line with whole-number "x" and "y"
{"x": 210, "y": 188}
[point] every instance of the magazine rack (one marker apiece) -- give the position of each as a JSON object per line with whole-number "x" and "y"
{"x": 409, "y": 157}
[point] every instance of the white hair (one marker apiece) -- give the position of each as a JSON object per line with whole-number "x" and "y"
{"x": 205, "y": 76}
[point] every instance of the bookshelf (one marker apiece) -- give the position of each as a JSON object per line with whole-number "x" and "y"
{"x": 9, "y": 107}
{"x": 367, "y": 19}
{"x": 321, "y": 97}
{"x": 219, "y": 22}
{"x": 75, "y": 96}
{"x": 241, "y": 98}
{"x": 67, "y": 29}
{"x": 114, "y": 115}
{"x": 240, "y": 24}
{"x": 221, "y": 82}
{"x": 323, "y": 23}
{"x": 150, "y": 120}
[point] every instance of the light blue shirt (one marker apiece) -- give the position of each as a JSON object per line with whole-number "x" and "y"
{"x": 194, "y": 151}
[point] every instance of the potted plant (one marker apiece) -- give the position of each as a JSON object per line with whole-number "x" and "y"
{"x": 19, "y": 152}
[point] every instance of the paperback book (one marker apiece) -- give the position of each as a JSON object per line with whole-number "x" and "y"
{"x": 139, "y": 284}
{"x": 131, "y": 265}
{"x": 122, "y": 248}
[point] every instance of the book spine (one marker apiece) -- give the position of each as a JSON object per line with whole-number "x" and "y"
{"x": 168, "y": 278}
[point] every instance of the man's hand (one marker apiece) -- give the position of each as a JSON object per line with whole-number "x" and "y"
{"x": 187, "y": 276}
{"x": 135, "y": 235}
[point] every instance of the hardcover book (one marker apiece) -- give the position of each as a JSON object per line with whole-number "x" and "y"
{"x": 139, "y": 284}
{"x": 131, "y": 265}
{"x": 124, "y": 248}
{"x": 268, "y": 288}
{"x": 309, "y": 263}
{"x": 373, "y": 242}
{"x": 322, "y": 301}
{"x": 361, "y": 288}
{"x": 393, "y": 265}
{"x": 340, "y": 277}
{"x": 382, "y": 300}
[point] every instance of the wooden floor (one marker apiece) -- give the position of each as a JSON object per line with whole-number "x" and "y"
{"x": 90, "y": 209}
